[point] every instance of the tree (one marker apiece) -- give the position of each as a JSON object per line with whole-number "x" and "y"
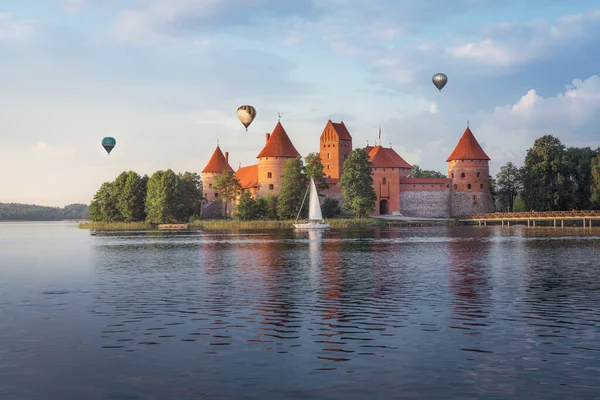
{"x": 191, "y": 194}
{"x": 314, "y": 167}
{"x": 271, "y": 207}
{"x": 103, "y": 207}
{"x": 293, "y": 188}
{"x": 595, "y": 186}
{"x": 131, "y": 197}
{"x": 493, "y": 191}
{"x": 163, "y": 198}
{"x": 331, "y": 207}
{"x": 578, "y": 165}
{"x": 228, "y": 186}
{"x": 509, "y": 184}
{"x": 417, "y": 172}
{"x": 357, "y": 184}
{"x": 247, "y": 208}
{"x": 545, "y": 183}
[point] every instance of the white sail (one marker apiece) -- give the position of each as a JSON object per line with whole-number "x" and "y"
{"x": 314, "y": 208}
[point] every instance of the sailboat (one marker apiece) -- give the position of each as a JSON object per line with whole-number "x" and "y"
{"x": 315, "y": 218}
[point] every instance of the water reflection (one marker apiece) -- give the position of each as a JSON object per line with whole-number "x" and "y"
{"x": 468, "y": 309}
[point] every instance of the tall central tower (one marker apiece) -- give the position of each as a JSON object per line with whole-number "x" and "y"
{"x": 335, "y": 144}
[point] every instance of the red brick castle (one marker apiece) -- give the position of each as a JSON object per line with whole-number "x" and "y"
{"x": 465, "y": 191}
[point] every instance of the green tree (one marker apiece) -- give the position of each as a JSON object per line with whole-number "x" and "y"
{"x": 314, "y": 167}
{"x": 131, "y": 197}
{"x": 247, "y": 208}
{"x": 595, "y": 185}
{"x": 509, "y": 185}
{"x": 228, "y": 186}
{"x": 357, "y": 184}
{"x": 191, "y": 194}
{"x": 293, "y": 188}
{"x": 493, "y": 191}
{"x": 578, "y": 164}
{"x": 262, "y": 208}
{"x": 103, "y": 207}
{"x": 163, "y": 198}
{"x": 417, "y": 172}
{"x": 519, "y": 205}
{"x": 331, "y": 207}
{"x": 545, "y": 179}
{"x": 271, "y": 207}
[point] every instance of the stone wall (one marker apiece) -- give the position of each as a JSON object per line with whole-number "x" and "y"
{"x": 465, "y": 204}
{"x": 430, "y": 204}
{"x": 212, "y": 209}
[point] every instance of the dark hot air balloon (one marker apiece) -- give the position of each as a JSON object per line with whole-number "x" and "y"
{"x": 108, "y": 143}
{"x": 440, "y": 80}
{"x": 246, "y": 115}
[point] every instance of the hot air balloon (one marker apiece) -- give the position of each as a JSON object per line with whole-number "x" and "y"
{"x": 108, "y": 143}
{"x": 246, "y": 114}
{"x": 440, "y": 80}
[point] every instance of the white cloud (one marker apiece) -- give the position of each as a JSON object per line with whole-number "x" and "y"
{"x": 53, "y": 151}
{"x": 433, "y": 108}
{"x": 15, "y": 30}
{"x": 74, "y": 5}
{"x": 567, "y": 113}
{"x": 508, "y": 44}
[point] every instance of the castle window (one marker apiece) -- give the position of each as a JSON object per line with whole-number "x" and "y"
{"x": 462, "y": 174}
{"x": 453, "y": 175}
{"x": 269, "y": 175}
{"x": 329, "y": 176}
{"x": 384, "y": 181}
{"x": 328, "y": 156}
{"x": 324, "y": 146}
{"x": 481, "y": 186}
{"x": 328, "y": 145}
{"x": 469, "y": 186}
{"x": 271, "y": 187}
{"x": 345, "y": 156}
{"x": 329, "y": 167}
{"x": 455, "y": 186}
{"x": 216, "y": 195}
{"x": 210, "y": 185}
{"x": 447, "y": 186}
{"x": 334, "y": 145}
{"x": 478, "y": 174}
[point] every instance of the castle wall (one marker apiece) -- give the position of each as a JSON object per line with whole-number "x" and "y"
{"x": 426, "y": 203}
{"x": 464, "y": 204}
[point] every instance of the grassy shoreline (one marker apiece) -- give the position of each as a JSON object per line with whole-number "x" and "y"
{"x": 223, "y": 224}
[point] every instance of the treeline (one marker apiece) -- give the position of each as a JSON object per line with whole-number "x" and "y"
{"x": 552, "y": 178}
{"x": 165, "y": 197}
{"x": 31, "y": 212}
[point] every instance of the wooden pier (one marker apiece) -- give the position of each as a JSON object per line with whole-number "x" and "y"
{"x": 173, "y": 227}
{"x": 545, "y": 218}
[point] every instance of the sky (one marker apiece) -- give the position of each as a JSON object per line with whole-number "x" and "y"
{"x": 165, "y": 77}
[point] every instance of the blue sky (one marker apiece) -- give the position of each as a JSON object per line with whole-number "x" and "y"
{"x": 164, "y": 77}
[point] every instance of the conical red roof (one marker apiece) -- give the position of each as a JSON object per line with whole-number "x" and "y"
{"x": 279, "y": 145}
{"x": 468, "y": 148}
{"x": 382, "y": 157}
{"x": 217, "y": 163}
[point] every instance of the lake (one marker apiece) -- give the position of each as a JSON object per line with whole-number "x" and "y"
{"x": 383, "y": 313}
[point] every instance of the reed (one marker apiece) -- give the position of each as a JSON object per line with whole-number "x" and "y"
{"x": 116, "y": 226}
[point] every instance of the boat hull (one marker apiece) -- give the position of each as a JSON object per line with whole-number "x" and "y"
{"x": 312, "y": 226}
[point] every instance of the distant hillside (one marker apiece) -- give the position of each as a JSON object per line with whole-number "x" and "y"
{"x": 31, "y": 212}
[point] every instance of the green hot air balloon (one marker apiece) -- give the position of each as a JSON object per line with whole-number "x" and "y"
{"x": 108, "y": 143}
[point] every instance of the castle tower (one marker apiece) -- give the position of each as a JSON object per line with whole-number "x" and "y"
{"x": 278, "y": 149}
{"x": 217, "y": 164}
{"x": 468, "y": 168}
{"x": 335, "y": 144}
